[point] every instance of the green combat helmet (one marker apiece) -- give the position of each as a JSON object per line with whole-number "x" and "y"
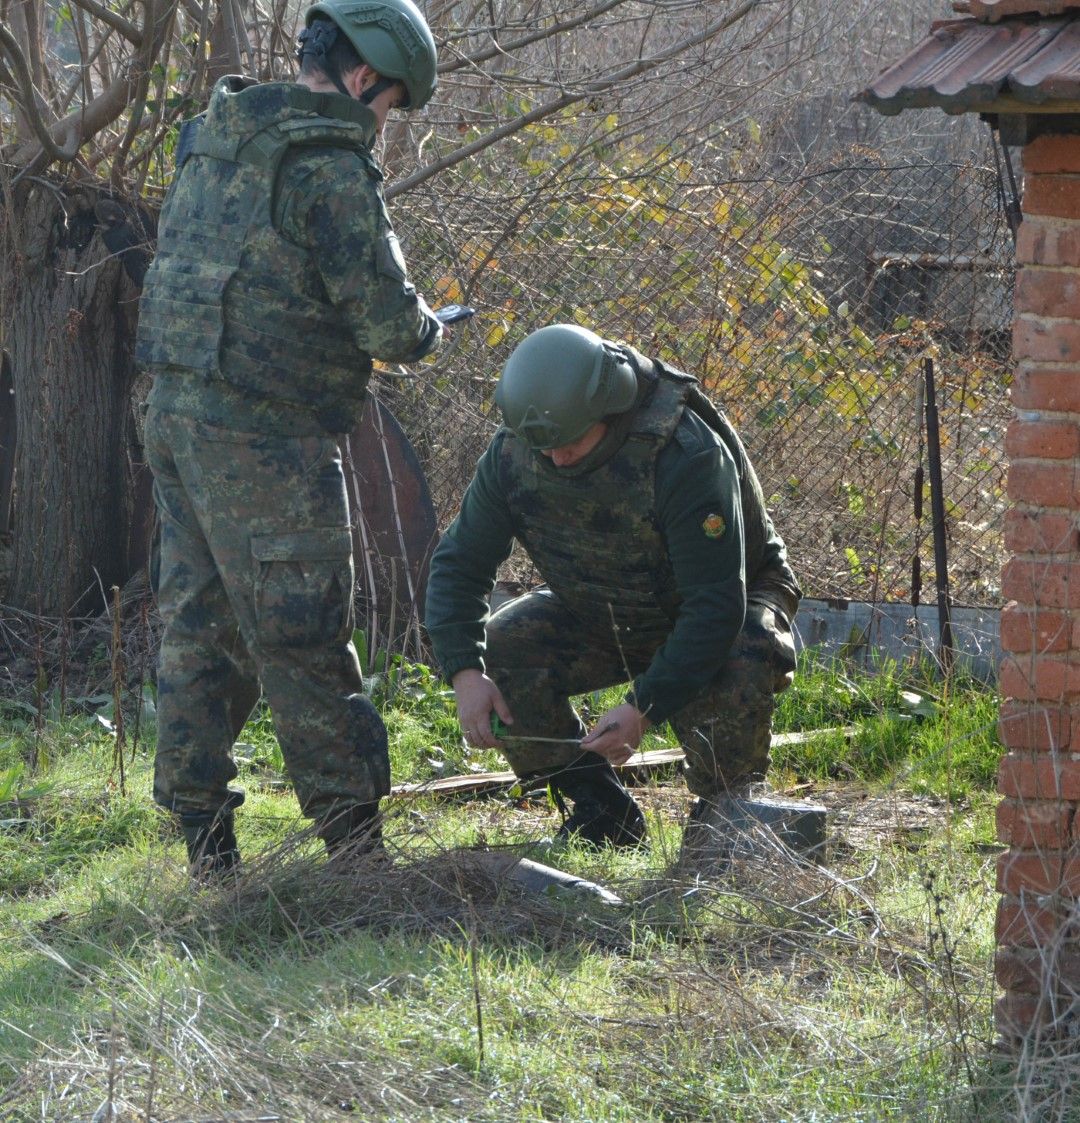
{"x": 392, "y": 37}
{"x": 559, "y": 381}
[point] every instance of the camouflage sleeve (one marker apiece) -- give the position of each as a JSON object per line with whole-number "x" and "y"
{"x": 335, "y": 209}
{"x": 700, "y": 512}
{"x": 463, "y": 569}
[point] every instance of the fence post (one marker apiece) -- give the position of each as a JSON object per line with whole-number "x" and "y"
{"x": 937, "y": 508}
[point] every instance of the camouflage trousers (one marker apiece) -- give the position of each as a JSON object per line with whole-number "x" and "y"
{"x": 539, "y": 659}
{"x": 256, "y": 587}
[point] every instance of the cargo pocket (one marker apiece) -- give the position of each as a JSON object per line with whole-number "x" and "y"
{"x": 303, "y": 587}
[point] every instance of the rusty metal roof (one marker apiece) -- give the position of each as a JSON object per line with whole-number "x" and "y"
{"x": 1013, "y": 65}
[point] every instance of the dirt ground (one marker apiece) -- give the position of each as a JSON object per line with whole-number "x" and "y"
{"x": 858, "y": 820}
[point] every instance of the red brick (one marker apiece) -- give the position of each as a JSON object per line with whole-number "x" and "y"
{"x": 1048, "y": 584}
{"x": 1029, "y": 871}
{"x": 1022, "y": 922}
{"x": 1018, "y": 1015}
{"x": 1035, "y": 824}
{"x": 1022, "y": 969}
{"x": 1032, "y": 726}
{"x": 1048, "y": 292}
{"x": 1048, "y": 242}
{"x": 1042, "y": 440}
{"x": 1046, "y": 341}
{"x": 1070, "y": 878}
{"x": 1049, "y": 194}
{"x": 1044, "y": 483}
{"x": 1058, "y": 153}
{"x": 1029, "y": 676}
{"x": 1039, "y": 776}
{"x": 1039, "y": 970}
{"x": 1031, "y": 532}
{"x": 1036, "y": 387}
{"x": 1027, "y": 629}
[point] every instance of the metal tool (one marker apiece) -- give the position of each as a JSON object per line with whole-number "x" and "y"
{"x": 504, "y": 734}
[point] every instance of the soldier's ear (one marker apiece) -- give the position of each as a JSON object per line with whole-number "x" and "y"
{"x": 356, "y": 81}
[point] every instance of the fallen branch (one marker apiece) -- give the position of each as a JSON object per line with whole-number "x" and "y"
{"x": 639, "y": 767}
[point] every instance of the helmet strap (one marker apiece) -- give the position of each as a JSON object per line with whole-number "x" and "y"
{"x": 376, "y": 88}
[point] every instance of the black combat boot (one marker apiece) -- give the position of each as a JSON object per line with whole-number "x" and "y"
{"x": 604, "y": 813}
{"x": 353, "y": 831}
{"x": 211, "y": 844}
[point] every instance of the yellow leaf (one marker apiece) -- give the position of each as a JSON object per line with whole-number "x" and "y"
{"x": 862, "y": 340}
{"x": 497, "y": 333}
{"x": 448, "y": 288}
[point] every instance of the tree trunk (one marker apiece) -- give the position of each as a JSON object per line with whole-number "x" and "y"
{"x": 69, "y": 315}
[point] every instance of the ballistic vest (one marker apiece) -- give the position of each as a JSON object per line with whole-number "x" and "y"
{"x": 227, "y": 296}
{"x": 595, "y": 537}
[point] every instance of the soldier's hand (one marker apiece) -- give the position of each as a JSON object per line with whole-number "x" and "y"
{"x": 617, "y": 733}
{"x": 477, "y": 696}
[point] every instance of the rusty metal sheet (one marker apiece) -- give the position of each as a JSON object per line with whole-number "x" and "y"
{"x": 966, "y": 65}
{"x": 394, "y": 524}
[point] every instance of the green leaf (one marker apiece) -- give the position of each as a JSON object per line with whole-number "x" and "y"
{"x": 918, "y": 704}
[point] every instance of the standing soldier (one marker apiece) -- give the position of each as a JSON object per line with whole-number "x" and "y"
{"x": 278, "y": 278}
{"x": 635, "y": 500}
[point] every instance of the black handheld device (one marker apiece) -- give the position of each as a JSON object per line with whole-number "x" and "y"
{"x": 452, "y": 313}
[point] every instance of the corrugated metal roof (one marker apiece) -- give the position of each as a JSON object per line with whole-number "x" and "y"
{"x": 993, "y": 10}
{"x": 968, "y": 65}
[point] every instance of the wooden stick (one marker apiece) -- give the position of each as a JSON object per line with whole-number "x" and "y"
{"x": 640, "y": 766}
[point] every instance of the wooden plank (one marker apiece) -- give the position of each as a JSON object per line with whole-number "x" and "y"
{"x": 639, "y": 766}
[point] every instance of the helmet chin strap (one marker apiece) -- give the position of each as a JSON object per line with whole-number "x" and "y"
{"x": 376, "y": 88}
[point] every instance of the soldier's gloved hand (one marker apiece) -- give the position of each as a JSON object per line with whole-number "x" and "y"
{"x": 617, "y": 733}
{"x": 477, "y": 696}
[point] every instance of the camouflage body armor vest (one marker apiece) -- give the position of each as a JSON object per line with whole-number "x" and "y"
{"x": 218, "y": 250}
{"x": 595, "y": 538}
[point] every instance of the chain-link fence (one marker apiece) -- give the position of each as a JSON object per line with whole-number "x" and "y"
{"x": 807, "y": 304}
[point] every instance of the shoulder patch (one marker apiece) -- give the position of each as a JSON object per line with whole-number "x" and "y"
{"x": 714, "y": 526}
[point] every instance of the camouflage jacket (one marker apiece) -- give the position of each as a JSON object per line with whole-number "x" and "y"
{"x": 278, "y": 276}
{"x": 664, "y": 537}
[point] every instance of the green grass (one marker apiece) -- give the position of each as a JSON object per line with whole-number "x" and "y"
{"x": 933, "y": 737}
{"x": 428, "y": 991}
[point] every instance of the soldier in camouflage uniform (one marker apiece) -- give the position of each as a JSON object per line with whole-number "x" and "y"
{"x": 635, "y": 500}
{"x": 278, "y": 278}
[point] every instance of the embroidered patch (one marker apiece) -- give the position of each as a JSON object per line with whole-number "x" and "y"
{"x": 714, "y": 526}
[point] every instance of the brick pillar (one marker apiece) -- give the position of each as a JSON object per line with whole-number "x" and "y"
{"x": 1038, "y": 956}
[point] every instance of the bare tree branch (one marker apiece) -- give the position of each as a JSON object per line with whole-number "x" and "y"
{"x": 32, "y": 43}
{"x": 591, "y": 89}
{"x": 69, "y": 146}
{"x": 480, "y": 56}
{"x": 151, "y": 39}
{"x": 113, "y": 19}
